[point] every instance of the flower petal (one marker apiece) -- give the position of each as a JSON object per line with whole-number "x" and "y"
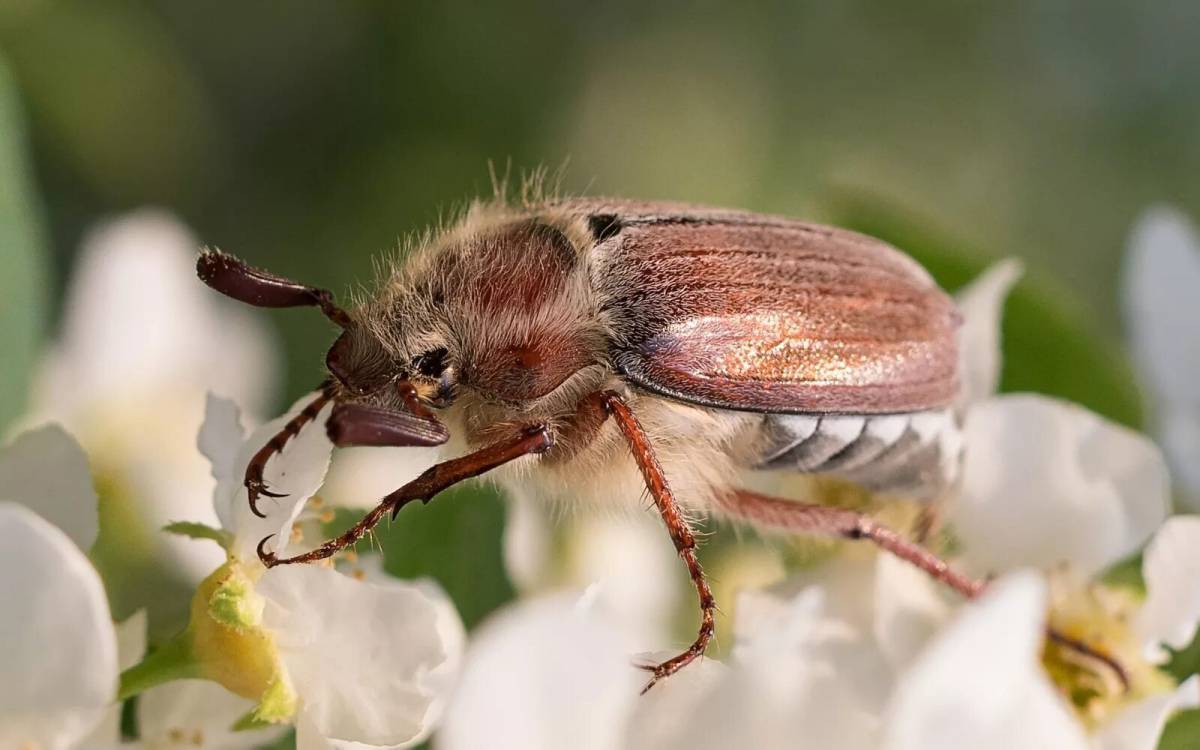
{"x": 197, "y": 713}
{"x": 221, "y": 437}
{"x": 1171, "y": 569}
{"x": 360, "y": 477}
{"x": 909, "y": 609}
{"x": 982, "y": 305}
{"x": 1162, "y": 273}
{"x": 1140, "y": 726}
{"x": 1179, "y": 433}
{"x": 59, "y": 650}
{"x": 131, "y": 648}
{"x": 797, "y": 675}
{"x": 118, "y": 346}
{"x": 46, "y": 470}
{"x": 129, "y": 371}
{"x": 297, "y": 472}
{"x": 1047, "y": 482}
{"x": 566, "y": 677}
{"x": 362, "y": 658}
{"x": 979, "y": 684}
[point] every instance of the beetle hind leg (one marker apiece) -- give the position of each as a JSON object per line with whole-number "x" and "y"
{"x": 765, "y": 511}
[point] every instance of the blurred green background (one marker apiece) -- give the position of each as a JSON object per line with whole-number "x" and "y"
{"x": 308, "y": 137}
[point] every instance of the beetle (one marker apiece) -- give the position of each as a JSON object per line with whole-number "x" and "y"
{"x": 601, "y": 348}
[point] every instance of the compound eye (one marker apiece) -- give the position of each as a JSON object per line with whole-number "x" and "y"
{"x": 432, "y": 363}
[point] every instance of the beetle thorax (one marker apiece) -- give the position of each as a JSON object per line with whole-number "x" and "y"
{"x": 508, "y": 311}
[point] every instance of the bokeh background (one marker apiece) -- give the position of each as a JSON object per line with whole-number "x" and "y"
{"x": 309, "y": 137}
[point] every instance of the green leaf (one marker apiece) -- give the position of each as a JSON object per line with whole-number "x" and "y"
{"x": 1186, "y": 661}
{"x": 194, "y": 530}
{"x": 456, "y": 540}
{"x": 1127, "y": 574}
{"x": 22, "y": 258}
{"x": 1182, "y": 731}
{"x": 1048, "y": 342}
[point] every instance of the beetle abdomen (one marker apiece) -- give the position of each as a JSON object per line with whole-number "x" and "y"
{"x": 914, "y": 454}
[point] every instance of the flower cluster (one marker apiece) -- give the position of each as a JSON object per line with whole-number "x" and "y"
{"x": 854, "y": 650}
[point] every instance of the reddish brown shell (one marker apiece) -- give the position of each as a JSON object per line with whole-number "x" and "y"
{"x": 760, "y": 313}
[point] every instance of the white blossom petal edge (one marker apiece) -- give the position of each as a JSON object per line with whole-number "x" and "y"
{"x": 982, "y": 304}
{"x": 58, "y": 674}
{"x": 297, "y": 473}
{"x": 45, "y": 470}
{"x": 979, "y": 684}
{"x": 1085, "y": 491}
{"x": 370, "y": 662}
{"x": 1171, "y": 570}
{"x": 362, "y": 657}
{"x": 547, "y": 672}
{"x": 1161, "y": 276}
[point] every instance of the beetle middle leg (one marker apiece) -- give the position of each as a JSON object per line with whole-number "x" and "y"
{"x": 526, "y": 441}
{"x": 681, "y": 533}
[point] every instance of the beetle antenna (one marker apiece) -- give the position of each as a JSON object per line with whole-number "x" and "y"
{"x": 235, "y": 278}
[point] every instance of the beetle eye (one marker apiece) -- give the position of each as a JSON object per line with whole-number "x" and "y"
{"x": 432, "y": 363}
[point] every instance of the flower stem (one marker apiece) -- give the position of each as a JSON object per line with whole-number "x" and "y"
{"x": 172, "y": 661}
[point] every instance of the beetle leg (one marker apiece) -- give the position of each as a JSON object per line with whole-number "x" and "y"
{"x": 780, "y": 513}
{"x": 765, "y": 511}
{"x": 253, "y": 479}
{"x": 237, "y": 279}
{"x": 528, "y": 441}
{"x": 681, "y": 534}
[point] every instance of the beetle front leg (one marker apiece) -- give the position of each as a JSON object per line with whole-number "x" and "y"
{"x": 528, "y": 441}
{"x": 253, "y": 478}
{"x": 677, "y": 526}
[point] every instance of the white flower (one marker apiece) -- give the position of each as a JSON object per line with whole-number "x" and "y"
{"x": 1046, "y": 482}
{"x": 61, "y": 644}
{"x": 628, "y": 553}
{"x": 979, "y": 683}
{"x": 139, "y": 346}
{"x": 865, "y": 651}
{"x": 58, "y": 649}
{"x": 46, "y": 470}
{"x": 981, "y": 304}
{"x": 191, "y": 713}
{"x": 365, "y": 662}
{"x": 1162, "y": 274}
{"x": 196, "y": 714}
{"x": 551, "y": 672}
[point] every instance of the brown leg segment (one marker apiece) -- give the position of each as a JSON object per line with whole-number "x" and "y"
{"x": 681, "y": 534}
{"x": 764, "y": 511}
{"x": 433, "y": 480}
{"x": 254, "y": 470}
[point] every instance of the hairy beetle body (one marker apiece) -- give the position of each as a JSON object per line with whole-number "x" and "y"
{"x": 716, "y": 325}
{"x": 595, "y": 350}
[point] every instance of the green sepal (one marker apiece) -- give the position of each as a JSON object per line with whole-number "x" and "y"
{"x": 194, "y": 530}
